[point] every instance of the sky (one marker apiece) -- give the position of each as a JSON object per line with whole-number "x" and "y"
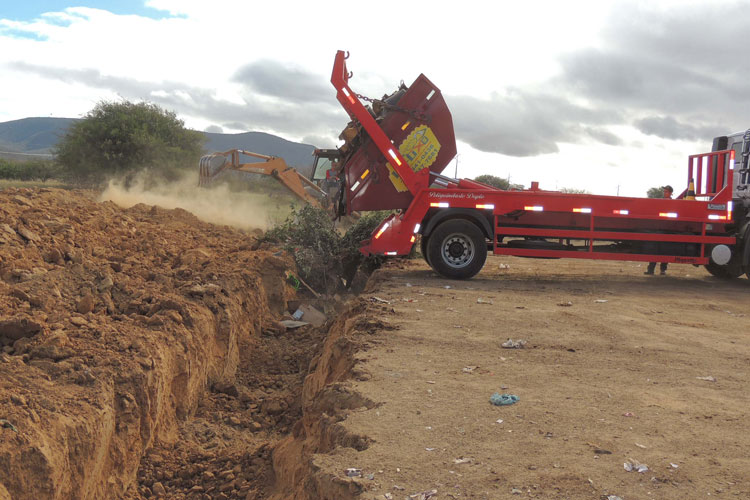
{"x": 603, "y": 95}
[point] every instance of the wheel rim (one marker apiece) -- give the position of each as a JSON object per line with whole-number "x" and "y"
{"x": 457, "y": 250}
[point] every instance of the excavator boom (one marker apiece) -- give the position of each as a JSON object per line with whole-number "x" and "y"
{"x": 214, "y": 164}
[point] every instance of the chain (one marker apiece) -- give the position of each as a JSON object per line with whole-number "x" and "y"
{"x": 392, "y": 107}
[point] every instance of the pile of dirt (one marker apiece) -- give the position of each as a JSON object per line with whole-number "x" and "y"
{"x": 139, "y": 333}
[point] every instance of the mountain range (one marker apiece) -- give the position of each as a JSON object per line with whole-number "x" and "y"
{"x": 29, "y": 137}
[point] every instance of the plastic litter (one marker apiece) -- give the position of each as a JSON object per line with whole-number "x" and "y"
{"x": 352, "y": 472}
{"x": 498, "y": 399}
{"x": 503, "y": 266}
{"x": 7, "y": 425}
{"x": 613, "y": 497}
{"x": 513, "y": 344}
{"x": 709, "y": 378}
{"x": 378, "y": 299}
{"x": 468, "y": 369}
{"x": 634, "y": 465}
{"x": 424, "y": 495}
{"x": 298, "y": 314}
{"x": 674, "y": 466}
{"x": 565, "y": 304}
{"x": 387, "y": 496}
{"x": 291, "y": 324}
{"x": 480, "y": 300}
{"x": 600, "y": 301}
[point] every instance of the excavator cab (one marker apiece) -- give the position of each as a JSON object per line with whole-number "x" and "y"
{"x": 324, "y": 165}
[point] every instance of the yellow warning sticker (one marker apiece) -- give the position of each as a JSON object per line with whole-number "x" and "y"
{"x": 395, "y": 179}
{"x": 420, "y": 148}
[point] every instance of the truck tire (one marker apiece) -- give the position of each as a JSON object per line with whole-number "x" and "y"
{"x": 423, "y": 248}
{"x": 457, "y": 249}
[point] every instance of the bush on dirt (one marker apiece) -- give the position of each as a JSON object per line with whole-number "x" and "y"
{"x": 326, "y": 259}
{"x": 34, "y": 170}
{"x": 120, "y": 138}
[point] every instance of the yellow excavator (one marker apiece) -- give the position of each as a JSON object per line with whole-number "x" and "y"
{"x": 303, "y": 188}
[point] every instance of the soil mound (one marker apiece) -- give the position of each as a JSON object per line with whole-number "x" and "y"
{"x": 114, "y": 325}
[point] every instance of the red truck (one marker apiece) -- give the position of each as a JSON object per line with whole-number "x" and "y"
{"x": 395, "y": 149}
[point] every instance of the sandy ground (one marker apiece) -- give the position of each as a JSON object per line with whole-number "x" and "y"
{"x": 611, "y": 372}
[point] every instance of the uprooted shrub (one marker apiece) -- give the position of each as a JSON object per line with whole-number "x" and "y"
{"x": 327, "y": 258}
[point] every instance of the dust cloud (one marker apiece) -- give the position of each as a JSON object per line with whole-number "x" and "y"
{"x": 216, "y": 204}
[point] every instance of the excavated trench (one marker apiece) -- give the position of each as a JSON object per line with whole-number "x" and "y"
{"x": 141, "y": 357}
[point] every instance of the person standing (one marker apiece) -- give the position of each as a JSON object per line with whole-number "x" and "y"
{"x": 667, "y": 194}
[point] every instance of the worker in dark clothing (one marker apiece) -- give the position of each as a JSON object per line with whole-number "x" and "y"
{"x": 667, "y": 193}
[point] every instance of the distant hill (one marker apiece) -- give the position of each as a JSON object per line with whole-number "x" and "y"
{"x": 38, "y": 136}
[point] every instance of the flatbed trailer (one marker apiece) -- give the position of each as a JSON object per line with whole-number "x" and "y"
{"x": 396, "y": 149}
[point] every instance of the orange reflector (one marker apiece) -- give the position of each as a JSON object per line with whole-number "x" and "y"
{"x": 351, "y": 99}
{"x": 413, "y": 238}
{"x": 382, "y": 230}
{"x": 486, "y": 207}
{"x": 365, "y": 174}
{"x": 582, "y": 210}
{"x": 535, "y": 208}
{"x": 730, "y": 207}
{"x": 671, "y": 215}
{"x": 403, "y": 127}
{"x": 391, "y": 253}
{"x": 717, "y": 217}
{"x": 442, "y": 204}
{"x": 621, "y": 212}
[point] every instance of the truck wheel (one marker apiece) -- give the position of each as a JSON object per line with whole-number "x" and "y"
{"x": 457, "y": 249}
{"x": 724, "y": 272}
{"x": 423, "y": 248}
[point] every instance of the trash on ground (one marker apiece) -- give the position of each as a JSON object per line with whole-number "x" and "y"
{"x": 480, "y": 300}
{"x": 674, "y": 466}
{"x": 371, "y": 477}
{"x": 447, "y": 287}
{"x": 515, "y": 491}
{"x": 613, "y": 497}
{"x": 462, "y": 460}
{"x": 640, "y": 445}
{"x": 352, "y": 472}
{"x": 514, "y": 344}
{"x": 311, "y": 315}
{"x": 565, "y": 304}
{"x": 469, "y": 369}
{"x": 7, "y": 425}
{"x": 499, "y": 421}
{"x": 628, "y": 414}
{"x": 424, "y": 495}
{"x": 503, "y": 399}
{"x": 387, "y": 496}
{"x": 419, "y": 310}
{"x": 634, "y": 465}
{"x": 290, "y": 324}
{"x": 409, "y": 284}
{"x": 600, "y": 301}
{"x": 503, "y": 266}
{"x": 709, "y": 378}
{"x": 378, "y": 299}
{"x": 408, "y": 299}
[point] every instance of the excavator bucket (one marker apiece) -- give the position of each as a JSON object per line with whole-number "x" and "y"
{"x": 209, "y": 167}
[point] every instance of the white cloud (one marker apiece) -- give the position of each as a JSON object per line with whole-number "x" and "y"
{"x": 565, "y": 106}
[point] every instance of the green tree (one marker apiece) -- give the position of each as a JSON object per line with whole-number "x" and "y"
{"x": 120, "y": 138}
{"x": 498, "y": 182}
{"x": 655, "y": 192}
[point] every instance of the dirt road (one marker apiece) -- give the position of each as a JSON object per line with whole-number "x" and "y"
{"x": 617, "y": 366}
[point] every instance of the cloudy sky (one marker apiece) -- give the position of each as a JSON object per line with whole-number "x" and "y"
{"x": 608, "y": 96}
